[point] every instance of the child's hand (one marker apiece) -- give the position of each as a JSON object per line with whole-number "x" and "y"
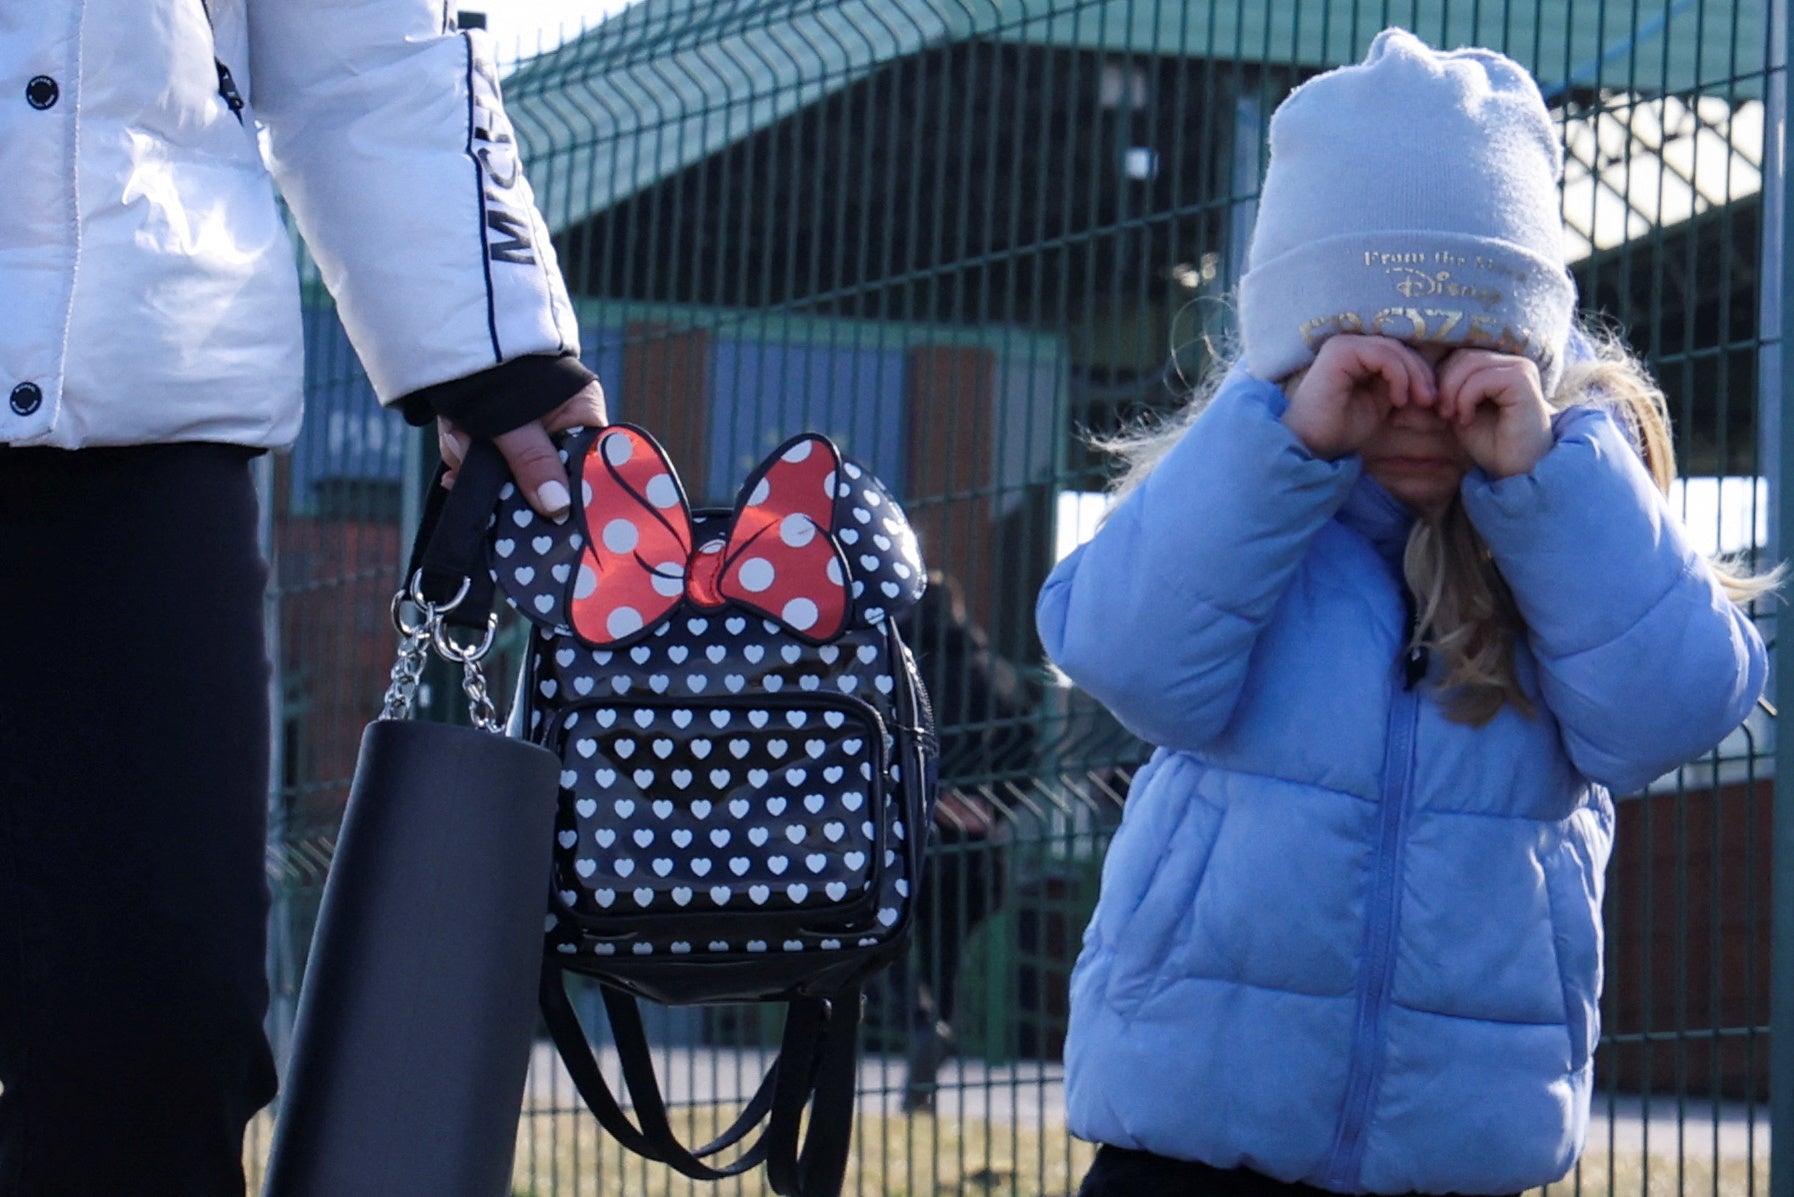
{"x": 1496, "y": 405}
{"x": 1355, "y": 381}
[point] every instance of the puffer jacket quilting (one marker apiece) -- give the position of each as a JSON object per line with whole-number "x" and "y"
{"x": 151, "y": 278}
{"x": 1341, "y": 939}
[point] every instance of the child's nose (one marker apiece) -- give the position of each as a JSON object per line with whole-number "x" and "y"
{"x": 1417, "y": 418}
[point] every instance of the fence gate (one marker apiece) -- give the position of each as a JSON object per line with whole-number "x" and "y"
{"x": 961, "y": 236}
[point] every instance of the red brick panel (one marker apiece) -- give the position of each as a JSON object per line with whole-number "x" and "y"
{"x": 1688, "y": 942}
{"x": 950, "y": 464}
{"x": 665, "y": 388}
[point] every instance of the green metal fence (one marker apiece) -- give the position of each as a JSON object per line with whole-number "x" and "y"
{"x": 960, "y": 236}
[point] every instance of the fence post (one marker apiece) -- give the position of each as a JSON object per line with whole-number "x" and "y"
{"x": 1779, "y": 238}
{"x": 278, "y": 953}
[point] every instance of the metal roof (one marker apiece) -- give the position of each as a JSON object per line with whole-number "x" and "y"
{"x": 1638, "y": 163}
{"x": 666, "y": 83}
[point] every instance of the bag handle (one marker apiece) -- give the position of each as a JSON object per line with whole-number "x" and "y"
{"x": 816, "y": 1066}
{"x": 447, "y": 584}
{"x": 448, "y": 551}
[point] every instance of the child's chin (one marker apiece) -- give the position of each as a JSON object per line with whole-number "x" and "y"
{"x": 1428, "y": 501}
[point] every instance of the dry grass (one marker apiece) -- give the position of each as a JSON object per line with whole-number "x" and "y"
{"x": 1664, "y": 1176}
{"x": 563, "y": 1153}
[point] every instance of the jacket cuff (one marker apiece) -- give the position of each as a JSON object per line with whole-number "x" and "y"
{"x": 505, "y": 397}
{"x": 1585, "y": 539}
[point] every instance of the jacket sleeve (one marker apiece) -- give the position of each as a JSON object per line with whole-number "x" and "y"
{"x": 388, "y": 139}
{"x": 1157, "y": 615}
{"x": 1643, "y": 659}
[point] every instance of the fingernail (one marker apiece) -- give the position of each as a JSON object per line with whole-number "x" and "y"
{"x": 554, "y": 499}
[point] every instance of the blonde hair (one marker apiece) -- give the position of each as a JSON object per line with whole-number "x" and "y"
{"x": 1466, "y": 615}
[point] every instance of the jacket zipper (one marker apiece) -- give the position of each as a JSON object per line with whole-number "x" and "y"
{"x": 227, "y": 86}
{"x": 1381, "y": 923}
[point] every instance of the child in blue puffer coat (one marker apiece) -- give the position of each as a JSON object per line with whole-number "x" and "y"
{"x": 1400, "y": 605}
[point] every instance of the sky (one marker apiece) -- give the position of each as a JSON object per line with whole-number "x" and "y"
{"x": 517, "y": 26}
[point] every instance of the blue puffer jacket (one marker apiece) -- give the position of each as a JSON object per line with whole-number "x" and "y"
{"x": 1341, "y": 939}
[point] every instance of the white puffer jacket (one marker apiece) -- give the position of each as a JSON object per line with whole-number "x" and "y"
{"x": 148, "y": 279}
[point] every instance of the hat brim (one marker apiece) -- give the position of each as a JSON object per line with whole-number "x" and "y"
{"x": 1421, "y": 286}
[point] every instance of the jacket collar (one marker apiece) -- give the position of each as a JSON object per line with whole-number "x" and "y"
{"x": 1380, "y": 518}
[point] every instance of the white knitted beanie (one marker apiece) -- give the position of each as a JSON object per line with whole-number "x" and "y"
{"x": 1413, "y": 195}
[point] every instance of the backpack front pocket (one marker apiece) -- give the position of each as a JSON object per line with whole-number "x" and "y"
{"x": 671, "y": 812}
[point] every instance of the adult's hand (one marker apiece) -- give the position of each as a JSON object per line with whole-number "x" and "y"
{"x": 535, "y": 462}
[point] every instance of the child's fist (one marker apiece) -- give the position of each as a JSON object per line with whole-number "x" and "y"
{"x": 1497, "y": 407}
{"x": 1354, "y": 383}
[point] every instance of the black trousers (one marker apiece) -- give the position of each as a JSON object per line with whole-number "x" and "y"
{"x": 1122, "y": 1172}
{"x": 133, "y": 791}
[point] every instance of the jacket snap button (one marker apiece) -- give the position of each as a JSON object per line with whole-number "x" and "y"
{"x": 42, "y": 92}
{"x": 26, "y": 398}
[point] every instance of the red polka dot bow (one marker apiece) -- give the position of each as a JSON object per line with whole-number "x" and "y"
{"x": 779, "y": 559}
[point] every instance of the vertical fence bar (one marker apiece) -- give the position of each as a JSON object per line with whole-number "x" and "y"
{"x": 277, "y": 952}
{"x": 1777, "y": 231}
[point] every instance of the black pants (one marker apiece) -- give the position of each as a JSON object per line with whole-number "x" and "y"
{"x": 133, "y": 791}
{"x": 1120, "y": 1172}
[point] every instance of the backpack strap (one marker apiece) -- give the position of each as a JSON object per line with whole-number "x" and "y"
{"x": 816, "y": 1066}
{"x": 829, "y": 1092}
{"x": 639, "y": 1077}
{"x": 654, "y": 1141}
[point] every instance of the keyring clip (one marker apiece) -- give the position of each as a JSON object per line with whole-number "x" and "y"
{"x": 464, "y": 654}
{"x": 431, "y": 612}
{"x": 400, "y": 601}
{"x": 416, "y": 595}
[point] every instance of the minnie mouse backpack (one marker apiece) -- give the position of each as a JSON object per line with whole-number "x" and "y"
{"x": 747, "y": 770}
